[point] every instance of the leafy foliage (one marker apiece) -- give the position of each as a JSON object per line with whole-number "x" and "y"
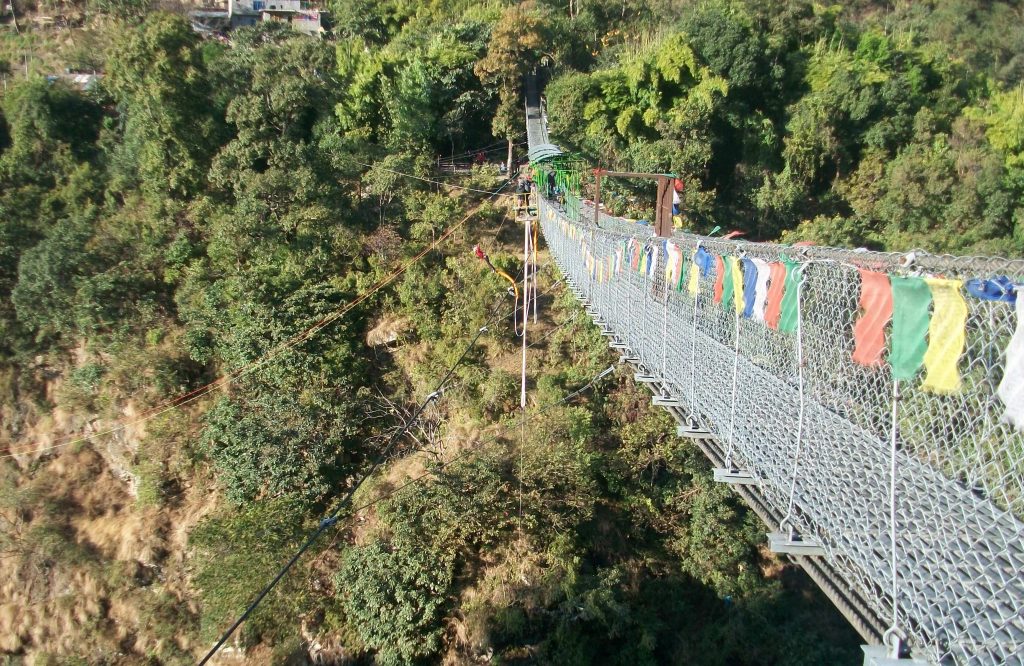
{"x": 809, "y": 132}
{"x": 210, "y": 209}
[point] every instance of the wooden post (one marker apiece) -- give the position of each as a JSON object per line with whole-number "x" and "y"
{"x": 663, "y": 214}
{"x": 662, "y": 201}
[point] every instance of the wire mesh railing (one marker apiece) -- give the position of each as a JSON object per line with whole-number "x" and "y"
{"x": 868, "y": 395}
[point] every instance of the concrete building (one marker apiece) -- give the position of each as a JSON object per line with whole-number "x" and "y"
{"x": 301, "y": 15}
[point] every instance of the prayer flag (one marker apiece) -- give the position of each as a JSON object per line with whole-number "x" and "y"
{"x": 761, "y": 288}
{"x": 876, "y": 311}
{"x": 776, "y": 287}
{"x": 749, "y": 285}
{"x": 737, "y": 283}
{"x": 719, "y": 279}
{"x": 693, "y": 285}
{"x": 652, "y": 262}
{"x": 911, "y": 299}
{"x": 946, "y": 336}
{"x": 790, "y": 298}
{"x": 704, "y": 260}
{"x": 1011, "y": 389}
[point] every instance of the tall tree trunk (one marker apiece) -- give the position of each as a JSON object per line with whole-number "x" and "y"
{"x": 508, "y": 164}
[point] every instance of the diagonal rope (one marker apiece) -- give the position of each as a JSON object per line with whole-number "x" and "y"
{"x": 332, "y": 519}
{"x": 248, "y": 368}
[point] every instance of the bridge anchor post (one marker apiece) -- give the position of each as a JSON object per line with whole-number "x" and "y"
{"x": 878, "y": 655}
{"x": 794, "y": 544}
{"x": 733, "y": 476}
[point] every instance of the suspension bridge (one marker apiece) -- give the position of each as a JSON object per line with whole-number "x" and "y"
{"x": 868, "y": 406}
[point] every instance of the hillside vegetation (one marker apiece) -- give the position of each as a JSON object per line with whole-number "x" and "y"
{"x": 200, "y": 212}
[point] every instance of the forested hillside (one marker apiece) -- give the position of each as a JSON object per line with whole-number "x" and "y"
{"x": 230, "y": 269}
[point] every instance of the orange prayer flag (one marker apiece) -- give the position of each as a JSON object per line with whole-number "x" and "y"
{"x": 776, "y": 288}
{"x": 876, "y": 311}
{"x": 719, "y": 278}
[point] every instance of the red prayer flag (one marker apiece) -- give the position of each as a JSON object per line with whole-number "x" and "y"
{"x": 776, "y": 289}
{"x": 876, "y": 311}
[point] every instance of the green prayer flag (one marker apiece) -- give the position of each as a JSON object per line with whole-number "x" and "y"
{"x": 911, "y": 300}
{"x": 727, "y": 282}
{"x": 788, "y": 318}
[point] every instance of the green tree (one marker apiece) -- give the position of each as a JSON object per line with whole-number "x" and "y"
{"x": 127, "y": 10}
{"x": 50, "y": 274}
{"x": 237, "y": 551}
{"x": 395, "y": 595}
{"x": 518, "y": 40}
{"x": 162, "y": 89}
{"x": 52, "y": 127}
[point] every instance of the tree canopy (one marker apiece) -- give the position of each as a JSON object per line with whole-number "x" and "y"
{"x": 221, "y": 265}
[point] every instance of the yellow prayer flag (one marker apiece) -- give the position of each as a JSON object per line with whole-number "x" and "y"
{"x": 946, "y": 336}
{"x": 693, "y": 286}
{"x": 737, "y": 283}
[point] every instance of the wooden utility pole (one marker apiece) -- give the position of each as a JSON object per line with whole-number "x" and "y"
{"x": 662, "y": 204}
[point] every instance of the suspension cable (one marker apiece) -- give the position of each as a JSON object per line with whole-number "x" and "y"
{"x": 787, "y": 521}
{"x": 735, "y": 378}
{"x": 331, "y": 519}
{"x": 197, "y": 393}
{"x": 425, "y": 180}
{"x": 892, "y": 636}
{"x": 504, "y": 429}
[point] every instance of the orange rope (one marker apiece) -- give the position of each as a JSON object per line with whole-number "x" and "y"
{"x": 195, "y": 394}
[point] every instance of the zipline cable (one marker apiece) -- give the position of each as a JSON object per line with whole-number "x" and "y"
{"x": 426, "y": 180}
{"x": 302, "y": 336}
{"x": 331, "y": 519}
{"x": 453, "y": 387}
{"x": 546, "y": 408}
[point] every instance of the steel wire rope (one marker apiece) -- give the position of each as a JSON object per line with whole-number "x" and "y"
{"x": 426, "y": 180}
{"x": 489, "y": 148}
{"x": 332, "y": 518}
{"x": 693, "y": 353}
{"x": 458, "y": 385}
{"x": 787, "y": 520}
{"x": 735, "y": 374}
{"x": 453, "y": 161}
{"x": 302, "y": 336}
{"x": 504, "y": 429}
{"x": 893, "y": 637}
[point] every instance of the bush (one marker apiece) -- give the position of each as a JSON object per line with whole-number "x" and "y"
{"x": 396, "y": 595}
{"x": 237, "y": 553}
